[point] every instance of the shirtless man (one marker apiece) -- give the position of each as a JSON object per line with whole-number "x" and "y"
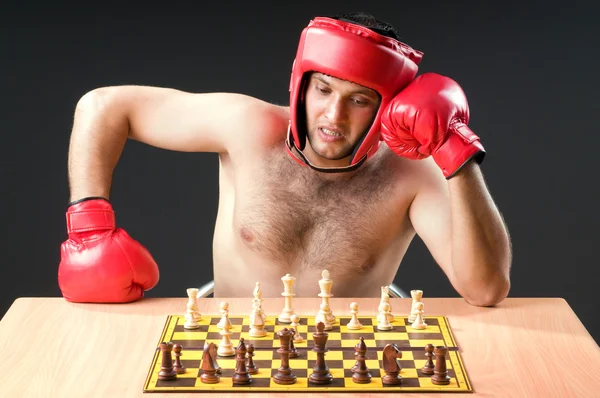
{"x": 365, "y": 157}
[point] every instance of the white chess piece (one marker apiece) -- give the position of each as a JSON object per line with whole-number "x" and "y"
{"x": 354, "y": 323}
{"x": 384, "y": 323}
{"x": 295, "y": 324}
{"x": 257, "y": 301}
{"x": 416, "y": 297}
{"x": 325, "y": 284}
{"x": 288, "y": 310}
{"x": 257, "y": 324}
{"x": 224, "y": 313}
{"x": 322, "y": 316}
{"x": 226, "y": 347}
{"x": 419, "y": 322}
{"x": 192, "y": 316}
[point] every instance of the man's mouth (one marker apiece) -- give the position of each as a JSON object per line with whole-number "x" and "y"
{"x": 329, "y": 132}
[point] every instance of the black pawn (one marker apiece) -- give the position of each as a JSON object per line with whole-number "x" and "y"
{"x": 166, "y": 368}
{"x": 251, "y": 366}
{"x": 440, "y": 372}
{"x": 178, "y": 366}
{"x": 428, "y": 368}
{"x": 241, "y": 376}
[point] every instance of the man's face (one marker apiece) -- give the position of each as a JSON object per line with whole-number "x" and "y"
{"x": 338, "y": 114}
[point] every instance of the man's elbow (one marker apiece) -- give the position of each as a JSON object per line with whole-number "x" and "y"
{"x": 488, "y": 295}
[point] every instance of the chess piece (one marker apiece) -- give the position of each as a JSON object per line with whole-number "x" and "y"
{"x": 392, "y": 368}
{"x": 241, "y": 376}
{"x": 361, "y": 373}
{"x": 354, "y": 323}
{"x": 209, "y": 368}
{"x": 192, "y": 316}
{"x": 178, "y": 366}
{"x": 384, "y": 323}
{"x": 322, "y": 316}
{"x": 257, "y": 302}
{"x": 257, "y": 323}
{"x": 225, "y": 347}
{"x": 224, "y": 310}
{"x": 284, "y": 374}
{"x": 440, "y": 371}
{"x": 325, "y": 285}
{"x": 321, "y": 374}
{"x": 167, "y": 372}
{"x": 251, "y": 366}
{"x": 288, "y": 310}
{"x": 385, "y": 299}
{"x": 416, "y": 297}
{"x": 419, "y": 323}
{"x": 428, "y": 368}
{"x": 293, "y": 351}
{"x": 295, "y": 323}
{"x": 212, "y": 348}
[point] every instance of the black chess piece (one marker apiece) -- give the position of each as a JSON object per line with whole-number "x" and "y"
{"x": 392, "y": 368}
{"x": 241, "y": 376}
{"x": 178, "y": 366}
{"x": 209, "y": 365}
{"x": 428, "y": 368}
{"x": 251, "y": 366}
{"x": 166, "y": 368}
{"x": 361, "y": 373}
{"x": 440, "y": 372}
{"x": 284, "y": 374}
{"x": 321, "y": 373}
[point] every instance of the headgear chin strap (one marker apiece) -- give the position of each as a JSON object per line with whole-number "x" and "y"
{"x": 354, "y": 53}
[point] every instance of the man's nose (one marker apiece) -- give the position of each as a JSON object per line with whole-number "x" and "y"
{"x": 335, "y": 110}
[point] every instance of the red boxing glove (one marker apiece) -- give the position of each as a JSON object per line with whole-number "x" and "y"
{"x": 99, "y": 262}
{"x": 430, "y": 117}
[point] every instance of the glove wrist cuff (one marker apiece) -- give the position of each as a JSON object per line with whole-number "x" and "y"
{"x": 93, "y": 214}
{"x": 461, "y": 146}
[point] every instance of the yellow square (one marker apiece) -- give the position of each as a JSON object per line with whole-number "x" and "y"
{"x": 294, "y": 364}
{"x": 422, "y": 343}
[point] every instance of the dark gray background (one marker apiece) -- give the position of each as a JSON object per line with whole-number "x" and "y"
{"x": 530, "y": 72}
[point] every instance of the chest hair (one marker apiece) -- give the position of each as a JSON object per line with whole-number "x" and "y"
{"x": 301, "y": 218}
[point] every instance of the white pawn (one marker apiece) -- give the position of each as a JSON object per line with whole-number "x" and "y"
{"x": 191, "y": 314}
{"x": 322, "y": 316}
{"x": 224, "y": 313}
{"x": 384, "y": 323}
{"x": 295, "y": 323}
{"x": 225, "y": 347}
{"x": 354, "y": 323}
{"x": 419, "y": 322}
{"x": 416, "y": 297}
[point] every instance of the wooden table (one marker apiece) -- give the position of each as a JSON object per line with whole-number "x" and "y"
{"x": 525, "y": 347}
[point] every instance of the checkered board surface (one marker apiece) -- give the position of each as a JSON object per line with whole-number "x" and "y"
{"x": 340, "y": 357}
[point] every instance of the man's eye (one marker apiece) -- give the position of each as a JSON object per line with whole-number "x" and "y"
{"x": 322, "y": 90}
{"x": 359, "y": 102}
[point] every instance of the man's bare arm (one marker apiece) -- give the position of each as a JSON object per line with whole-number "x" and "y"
{"x": 166, "y": 118}
{"x": 462, "y": 227}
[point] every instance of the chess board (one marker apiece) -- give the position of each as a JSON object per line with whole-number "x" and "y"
{"x": 340, "y": 357}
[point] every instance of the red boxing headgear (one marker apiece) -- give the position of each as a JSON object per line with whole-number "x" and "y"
{"x": 354, "y": 53}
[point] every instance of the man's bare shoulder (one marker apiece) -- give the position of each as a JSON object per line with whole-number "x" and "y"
{"x": 262, "y": 125}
